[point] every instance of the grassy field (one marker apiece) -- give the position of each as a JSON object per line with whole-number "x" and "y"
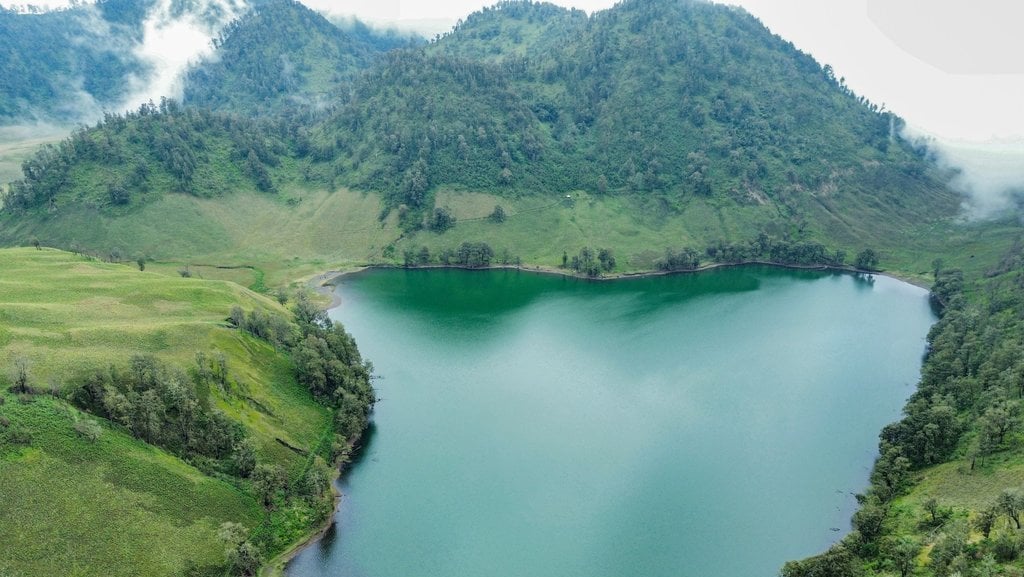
{"x": 118, "y": 506}
{"x": 265, "y": 241}
{"x": 112, "y": 507}
{"x": 963, "y": 492}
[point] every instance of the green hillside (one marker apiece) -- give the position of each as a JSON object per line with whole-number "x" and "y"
{"x": 676, "y": 104}
{"x": 109, "y": 484}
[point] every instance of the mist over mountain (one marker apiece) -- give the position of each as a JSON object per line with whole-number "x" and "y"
{"x": 72, "y": 65}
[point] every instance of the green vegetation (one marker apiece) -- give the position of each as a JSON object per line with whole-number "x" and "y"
{"x": 148, "y": 399}
{"x": 691, "y": 118}
{"x": 944, "y": 496}
{"x": 659, "y": 135}
{"x": 60, "y": 64}
{"x": 283, "y": 57}
{"x": 114, "y": 505}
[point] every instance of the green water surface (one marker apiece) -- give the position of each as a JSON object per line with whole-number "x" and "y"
{"x": 708, "y": 425}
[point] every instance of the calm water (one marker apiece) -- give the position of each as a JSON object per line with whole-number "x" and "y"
{"x": 696, "y": 425}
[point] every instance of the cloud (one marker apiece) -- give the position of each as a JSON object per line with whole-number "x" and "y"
{"x": 174, "y": 38}
{"x": 988, "y": 173}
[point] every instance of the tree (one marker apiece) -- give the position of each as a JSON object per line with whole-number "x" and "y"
{"x": 836, "y": 562}
{"x": 237, "y": 316}
{"x": 937, "y": 514}
{"x": 20, "y": 376}
{"x": 442, "y": 219}
{"x": 1006, "y": 546}
{"x": 606, "y": 258}
{"x": 267, "y": 480}
{"x": 118, "y": 194}
{"x": 949, "y": 549}
{"x": 867, "y": 259}
{"x": 997, "y": 421}
{"x": 423, "y": 256}
{"x": 902, "y": 554}
{"x": 1010, "y": 503}
{"x": 891, "y": 472}
{"x": 242, "y": 555}
{"x": 244, "y": 457}
{"x": 985, "y": 520}
{"x": 497, "y": 215}
{"x": 869, "y": 518}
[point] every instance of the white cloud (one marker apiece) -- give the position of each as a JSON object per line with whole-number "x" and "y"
{"x": 172, "y": 40}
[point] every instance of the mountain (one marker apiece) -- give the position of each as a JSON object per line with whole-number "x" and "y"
{"x": 673, "y": 111}
{"x": 71, "y": 65}
{"x": 678, "y": 103}
{"x": 282, "y": 55}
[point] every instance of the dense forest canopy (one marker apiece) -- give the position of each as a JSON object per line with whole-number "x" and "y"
{"x": 281, "y": 56}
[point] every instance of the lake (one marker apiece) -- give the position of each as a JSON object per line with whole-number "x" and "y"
{"x": 712, "y": 424}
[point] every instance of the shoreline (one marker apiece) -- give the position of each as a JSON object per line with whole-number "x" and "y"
{"x": 276, "y": 566}
{"x": 325, "y": 285}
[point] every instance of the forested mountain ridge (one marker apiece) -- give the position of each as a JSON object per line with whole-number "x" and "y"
{"x": 73, "y": 64}
{"x": 675, "y": 102}
{"x": 280, "y": 56}
{"x": 672, "y": 107}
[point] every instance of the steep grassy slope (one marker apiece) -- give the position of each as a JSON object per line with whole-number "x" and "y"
{"x": 115, "y": 506}
{"x": 67, "y": 315}
{"x": 64, "y": 315}
{"x": 296, "y": 234}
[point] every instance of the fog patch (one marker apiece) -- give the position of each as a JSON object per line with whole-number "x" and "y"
{"x": 989, "y": 174}
{"x": 177, "y": 34}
